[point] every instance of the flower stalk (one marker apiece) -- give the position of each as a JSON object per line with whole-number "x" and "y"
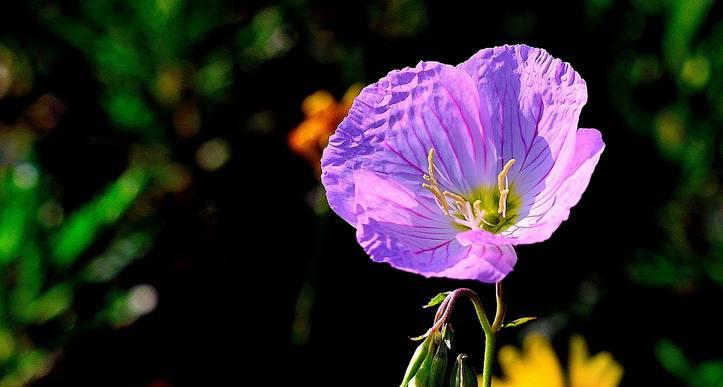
{"x": 491, "y": 336}
{"x": 443, "y": 316}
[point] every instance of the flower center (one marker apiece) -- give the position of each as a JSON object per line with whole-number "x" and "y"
{"x": 486, "y": 208}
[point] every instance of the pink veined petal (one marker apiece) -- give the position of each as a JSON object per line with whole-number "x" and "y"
{"x": 485, "y": 263}
{"x": 531, "y": 103}
{"x": 482, "y": 237}
{"x": 400, "y": 228}
{"x": 552, "y": 206}
{"x": 393, "y": 124}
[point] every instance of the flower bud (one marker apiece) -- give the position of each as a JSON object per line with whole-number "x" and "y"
{"x": 420, "y": 354}
{"x": 439, "y": 366}
{"x": 421, "y": 378}
{"x": 463, "y": 375}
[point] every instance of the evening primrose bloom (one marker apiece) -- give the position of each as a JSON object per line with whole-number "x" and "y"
{"x": 537, "y": 365}
{"x": 442, "y": 170}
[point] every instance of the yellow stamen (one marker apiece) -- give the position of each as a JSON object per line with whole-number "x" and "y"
{"x": 433, "y": 186}
{"x": 430, "y": 166}
{"x": 502, "y": 206}
{"x": 502, "y": 177}
{"x": 459, "y": 200}
{"x": 504, "y": 186}
{"x": 441, "y": 202}
{"x": 477, "y": 207}
{"x": 464, "y": 212}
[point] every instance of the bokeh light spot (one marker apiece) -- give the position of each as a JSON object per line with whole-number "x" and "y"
{"x": 213, "y": 154}
{"x": 50, "y": 214}
{"x": 696, "y": 72}
{"x": 26, "y": 176}
{"x": 186, "y": 120}
{"x": 143, "y": 299}
{"x": 670, "y": 130}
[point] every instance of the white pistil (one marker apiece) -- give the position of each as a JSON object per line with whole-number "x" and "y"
{"x": 503, "y": 184}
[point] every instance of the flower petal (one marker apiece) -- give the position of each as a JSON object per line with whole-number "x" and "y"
{"x": 531, "y": 102}
{"x": 485, "y": 263}
{"x": 600, "y": 370}
{"x": 536, "y": 365}
{"x": 482, "y": 237}
{"x": 397, "y": 226}
{"x": 562, "y": 191}
{"x": 393, "y": 124}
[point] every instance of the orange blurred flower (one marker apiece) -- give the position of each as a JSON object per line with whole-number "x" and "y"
{"x": 537, "y": 365}
{"x": 323, "y": 114}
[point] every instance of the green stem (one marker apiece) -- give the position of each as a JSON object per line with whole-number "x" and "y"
{"x": 488, "y": 360}
{"x": 501, "y": 308}
{"x": 490, "y": 330}
{"x": 481, "y": 315}
{"x": 490, "y": 335}
{"x": 489, "y": 340}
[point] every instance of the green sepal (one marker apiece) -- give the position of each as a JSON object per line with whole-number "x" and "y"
{"x": 436, "y": 300}
{"x": 518, "y": 322}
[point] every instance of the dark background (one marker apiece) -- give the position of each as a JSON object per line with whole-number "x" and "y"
{"x": 236, "y": 255}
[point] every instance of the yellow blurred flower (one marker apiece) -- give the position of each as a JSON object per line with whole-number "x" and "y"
{"x": 537, "y": 365}
{"x": 323, "y": 114}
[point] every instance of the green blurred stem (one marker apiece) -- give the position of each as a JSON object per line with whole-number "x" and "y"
{"x": 491, "y": 335}
{"x": 501, "y": 308}
{"x": 488, "y": 359}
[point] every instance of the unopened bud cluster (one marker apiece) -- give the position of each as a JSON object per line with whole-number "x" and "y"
{"x": 429, "y": 364}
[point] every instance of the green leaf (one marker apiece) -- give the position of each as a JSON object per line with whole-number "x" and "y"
{"x": 83, "y": 226}
{"x": 125, "y": 249}
{"x": 7, "y": 344}
{"x": 436, "y": 300}
{"x": 49, "y": 305}
{"x": 18, "y": 194}
{"x": 518, "y": 322}
{"x": 673, "y": 359}
{"x": 215, "y": 76}
{"x": 709, "y": 374}
{"x": 128, "y": 109}
{"x": 29, "y": 280}
{"x": 684, "y": 21}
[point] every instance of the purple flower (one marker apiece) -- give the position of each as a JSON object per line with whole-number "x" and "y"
{"x": 443, "y": 170}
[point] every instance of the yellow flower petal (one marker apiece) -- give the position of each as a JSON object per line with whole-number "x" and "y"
{"x": 495, "y": 382}
{"x": 318, "y": 103}
{"x": 350, "y": 94}
{"x": 536, "y": 366}
{"x": 510, "y": 361}
{"x": 599, "y": 371}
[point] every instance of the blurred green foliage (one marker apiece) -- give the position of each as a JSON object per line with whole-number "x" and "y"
{"x": 685, "y": 125}
{"x": 38, "y": 255}
{"x": 158, "y": 77}
{"x": 705, "y": 374}
{"x": 162, "y": 67}
{"x": 140, "y": 52}
{"x": 684, "y": 67}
